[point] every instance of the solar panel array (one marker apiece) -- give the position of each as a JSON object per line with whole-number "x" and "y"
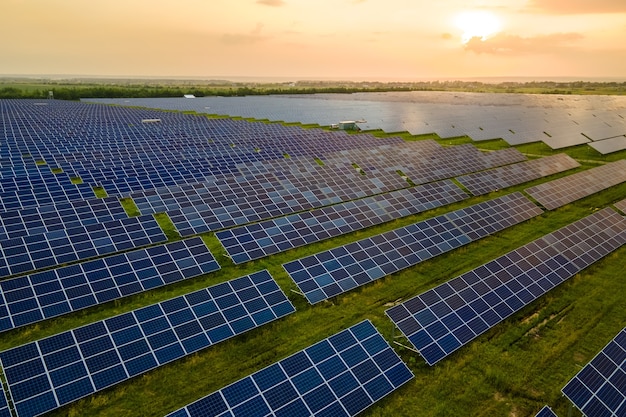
{"x": 546, "y": 412}
{"x": 565, "y": 190}
{"x": 558, "y": 120}
{"x": 42, "y": 219}
{"x": 32, "y": 298}
{"x": 496, "y": 179}
{"x": 329, "y": 273}
{"x": 219, "y": 214}
{"x": 262, "y": 239}
{"x": 445, "y": 318}
{"x": 599, "y": 389}
{"x": 621, "y": 206}
{"x": 34, "y": 252}
{"x": 43, "y": 195}
{"x": 338, "y": 376}
{"x": 210, "y": 174}
{"x": 57, "y": 370}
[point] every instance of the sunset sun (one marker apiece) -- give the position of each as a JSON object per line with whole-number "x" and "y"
{"x": 477, "y": 24}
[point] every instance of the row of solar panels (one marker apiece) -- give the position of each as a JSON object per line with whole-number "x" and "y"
{"x": 200, "y": 218}
{"x": 66, "y": 245}
{"x": 560, "y": 126}
{"x": 348, "y": 373}
{"x": 249, "y": 242}
{"x": 92, "y": 139}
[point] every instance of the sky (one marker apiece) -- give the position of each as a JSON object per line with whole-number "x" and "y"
{"x": 377, "y": 40}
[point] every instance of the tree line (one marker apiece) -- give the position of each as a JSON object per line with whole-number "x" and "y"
{"x": 76, "y": 92}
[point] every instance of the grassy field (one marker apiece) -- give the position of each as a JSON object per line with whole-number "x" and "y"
{"x": 512, "y": 370}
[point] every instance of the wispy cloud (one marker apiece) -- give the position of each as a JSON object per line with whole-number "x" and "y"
{"x": 576, "y": 6}
{"x": 273, "y": 3}
{"x": 503, "y": 44}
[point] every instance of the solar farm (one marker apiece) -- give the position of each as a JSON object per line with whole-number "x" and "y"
{"x": 156, "y": 261}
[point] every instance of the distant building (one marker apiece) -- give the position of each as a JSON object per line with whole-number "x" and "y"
{"x": 346, "y": 125}
{"x": 189, "y": 96}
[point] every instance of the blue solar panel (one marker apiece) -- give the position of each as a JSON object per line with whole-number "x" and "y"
{"x": 32, "y": 298}
{"x": 41, "y": 196}
{"x": 447, "y": 317}
{"x": 339, "y": 376}
{"x": 4, "y": 406}
{"x": 599, "y": 389}
{"x": 338, "y": 270}
{"x": 273, "y": 236}
{"x": 42, "y": 219}
{"x": 51, "y": 372}
{"x": 34, "y": 252}
{"x": 546, "y": 412}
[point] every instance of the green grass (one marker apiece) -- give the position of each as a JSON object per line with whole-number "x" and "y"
{"x": 130, "y": 207}
{"x": 168, "y": 227}
{"x": 100, "y": 192}
{"x": 511, "y": 370}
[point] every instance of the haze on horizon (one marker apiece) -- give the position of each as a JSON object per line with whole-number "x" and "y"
{"x": 329, "y": 39}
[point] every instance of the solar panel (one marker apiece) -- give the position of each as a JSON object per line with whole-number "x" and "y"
{"x": 621, "y": 206}
{"x": 329, "y": 273}
{"x": 42, "y": 219}
{"x": 608, "y": 146}
{"x": 57, "y": 370}
{"x": 338, "y": 376}
{"x": 4, "y": 406}
{"x": 32, "y": 298}
{"x": 599, "y": 389}
{"x": 445, "y": 318}
{"x": 496, "y": 179}
{"x": 34, "y": 252}
{"x": 273, "y": 236}
{"x": 565, "y": 190}
{"x": 546, "y": 412}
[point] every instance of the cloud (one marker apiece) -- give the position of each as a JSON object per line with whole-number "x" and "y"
{"x": 446, "y": 36}
{"x": 576, "y": 6}
{"x": 503, "y": 44}
{"x": 273, "y": 3}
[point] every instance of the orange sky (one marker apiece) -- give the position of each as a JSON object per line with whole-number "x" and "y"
{"x": 337, "y": 39}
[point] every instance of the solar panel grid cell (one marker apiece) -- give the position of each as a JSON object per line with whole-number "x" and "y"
{"x": 443, "y": 319}
{"x": 329, "y": 273}
{"x": 599, "y": 389}
{"x": 51, "y": 372}
{"x": 339, "y": 376}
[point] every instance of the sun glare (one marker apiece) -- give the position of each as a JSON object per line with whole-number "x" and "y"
{"x": 477, "y": 24}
